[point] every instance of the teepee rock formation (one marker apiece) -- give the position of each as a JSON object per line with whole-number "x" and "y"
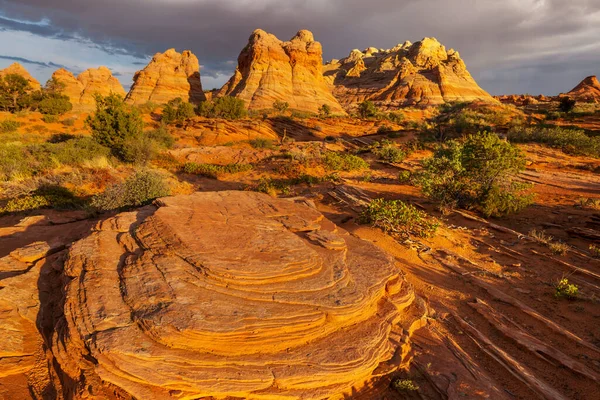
{"x": 81, "y": 90}
{"x": 587, "y": 91}
{"x": 169, "y": 75}
{"x": 271, "y": 70}
{"x": 423, "y": 73}
{"x": 18, "y": 69}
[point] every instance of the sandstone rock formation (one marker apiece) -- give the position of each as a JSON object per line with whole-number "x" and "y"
{"x": 169, "y": 75}
{"x": 587, "y": 91}
{"x": 18, "y": 69}
{"x": 214, "y": 294}
{"x": 81, "y": 90}
{"x": 269, "y": 70}
{"x": 423, "y": 74}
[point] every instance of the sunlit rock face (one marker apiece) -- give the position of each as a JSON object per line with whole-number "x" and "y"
{"x": 423, "y": 73}
{"x": 18, "y": 69}
{"x": 83, "y": 89}
{"x": 587, "y": 91}
{"x": 271, "y": 70}
{"x": 228, "y": 294}
{"x": 169, "y": 75}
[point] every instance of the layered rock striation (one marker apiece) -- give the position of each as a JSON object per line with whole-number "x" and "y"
{"x": 18, "y": 69}
{"x": 169, "y": 75}
{"x": 587, "y": 91}
{"x": 271, "y": 70}
{"x": 422, "y": 74}
{"x": 82, "y": 90}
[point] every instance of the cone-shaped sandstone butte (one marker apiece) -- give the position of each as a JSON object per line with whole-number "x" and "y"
{"x": 213, "y": 294}
{"x": 18, "y": 69}
{"x": 168, "y": 75}
{"x": 270, "y": 70}
{"x": 81, "y": 90}
{"x": 423, "y": 73}
{"x": 587, "y": 91}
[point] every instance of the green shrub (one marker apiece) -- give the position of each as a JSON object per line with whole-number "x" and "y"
{"x": 571, "y": 141}
{"x": 335, "y": 161}
{"x": 384, "y": 129}
{"x": 396, "y": 117}
{"x": 281, "y": 106}
{"x": 69, "y": 122}
{"x": 565, "y": 289}
{"x": 114, "y": 125}
{"x": 477, "y": 172}
{"x": 9, "y": 126}
{"x": 139, "y": 189}
{"x": 50, "y": 119}
{"x": 223, "y": 107}
{"x": 49, "y": 196}
{"x": 389, "y": 153}
{"x": 214, "y": 170}
{"x": 404, "y": 176}
{"x": 261, "y": 143}
{"x": 162, "y": 137}
{"x": 566, "y": 104}
{"x": 54, "y": 104}
{"x": 177, "y": 111}
{"x": 395, "y": 216}
{"x": 14, "y": 93}
{"x": 301, "y": 115}
{"x": 405, "y": 385}
{"x": 324, "y": 111}
{"x": 367, "y": 109}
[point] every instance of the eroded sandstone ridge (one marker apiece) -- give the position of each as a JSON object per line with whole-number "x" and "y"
{"x": 18, "y": 69}
{"x": 270, "y": 69}
{"x": 587, "y": 91}
{"x": 213, "y": 294}
{"x": 168, "y": 75}
{"x": 81, "y": 90}
{"x": 423, "y": 73}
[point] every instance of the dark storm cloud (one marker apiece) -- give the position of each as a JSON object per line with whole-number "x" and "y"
{"x": 537, "y": 46}
{"x": 32, "y": 62}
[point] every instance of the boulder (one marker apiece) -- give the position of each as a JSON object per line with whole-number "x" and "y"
{"x": 419, "y": 74}
{"x": 587, "y": 91}
{"x": 81, "y": 90}
{"x": 270, "y": 70}
{"x": 169, "y": 75}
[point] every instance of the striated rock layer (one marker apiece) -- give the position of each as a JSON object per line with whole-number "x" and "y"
{"x": 18, "y": 69}
{"x": 169, "y": 75}
{"x": 270, "y": 70}
{"x": 81, "y": 90}
{"x": 228, "y": 294}
{"x": 423, "y": 73}
{"x": 587, "y": 91}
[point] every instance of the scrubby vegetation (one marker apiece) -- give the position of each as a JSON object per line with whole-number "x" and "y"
{"x": 261, "y": 143}
{"x": 223, "y": 107}
{"x": 16, "y": 94}
{"x": 478, "y": 172}
{"x": 367, "y": 109}
{"x": 281, "y": 106}
{"x": 405, "y": 385}
{"x": 571, "y": 141}
{"x": 395, "y": 216}
{"x": 564, "y": 289}
{"x": 388, "y": 152}
{"x": 335, "y": 161}
{"x": 214, "y": 170}
{"x": 177, "y": 111}
{"x": 139, "y": 189}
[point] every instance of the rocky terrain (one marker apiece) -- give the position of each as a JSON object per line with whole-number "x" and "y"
{"x": 169, "y": 75}
{"x": 81, "y": 90}
{"x": 423, "y": 73}
{"x": 18, "y": 69}
{"x": 270, "y": 70}
{"x": 587, "y": 91}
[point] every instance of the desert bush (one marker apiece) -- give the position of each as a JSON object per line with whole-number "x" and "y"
{"x": 404, "y": 176}
{"x": 9, "y": 126}
{"x": 540, "y": 236}
{"x": 261, "y": 143}
{"x": 566, "y": 104}
{"x": 395, "y": 216}
{"x": 50, "y": 119}
{"x": 585, "y": 202}
{"x": 13, "y": 93}
{"x": 564, "y": 289}
{"x": 384, "y": 129}
{"x": 69, "y": 122}
{"x": 162, "y": 137}
{"x": 396, "y": 117}
{"x": 281, "y": 106}
{"x": 54, "y": 104}
{"x": 559, "y": 248}
{"x": 114, "y": 125}
{"x": 47, "y": 196}
{"x": 223, "y": 107}
{"x": 177, "y": 111}
{"x": 388, "y": 152}
{"x": 214, "y": 170}
{"x": 405, "y": 385}
{"x": 367, "y": 109}
{"x": 324, "y": 111}
{"x": 139, "y": 189}
{"x": 571, "y": 141}
{"x": 478, "y": 172}
{"x": 335, "y": 161}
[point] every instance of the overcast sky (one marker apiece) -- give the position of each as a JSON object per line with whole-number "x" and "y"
{"x": 509, "y": 46}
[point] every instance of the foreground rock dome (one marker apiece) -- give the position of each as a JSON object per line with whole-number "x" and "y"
{"x": 228, "y": 294}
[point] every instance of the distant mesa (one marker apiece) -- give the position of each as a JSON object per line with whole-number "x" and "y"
{"x": 587, "y": 91}
{"x": 423, "y": 74}
{"x": 169, "y": 75}
{"x": 18, "y": 69}
{"x": 270, "y": 70}
{"x": 81, "y": 90}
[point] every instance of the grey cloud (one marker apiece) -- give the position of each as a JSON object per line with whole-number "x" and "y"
{"x": 510, "y": 46}
{"x": 32, "y": 62}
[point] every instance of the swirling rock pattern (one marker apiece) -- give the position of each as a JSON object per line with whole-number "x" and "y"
{"x": 229, "y": 294}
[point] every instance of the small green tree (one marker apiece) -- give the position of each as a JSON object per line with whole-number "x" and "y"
{"x": 566, "y": 104}
{"x": 54, "y": 104}
{"x": 478, "y": 172}
{"x": 281, "y": 106}
{"x": 114, "y": 124}
{"x": 13, "y": 87}
{"x": 177, "y": 111}
{"x": 367, "y": 109}
{"x": 324, "y": 111}
{"x": 223, "y": 107}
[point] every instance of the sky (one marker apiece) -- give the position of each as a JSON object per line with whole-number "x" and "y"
{"x": 509, "y": 46}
